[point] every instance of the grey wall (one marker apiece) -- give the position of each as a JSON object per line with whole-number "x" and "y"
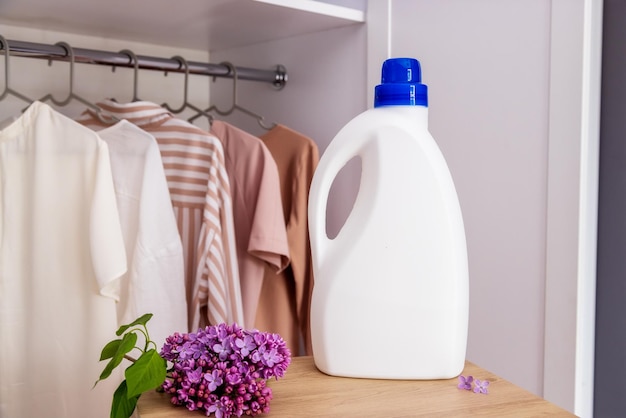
{"x": 610, "y": 367}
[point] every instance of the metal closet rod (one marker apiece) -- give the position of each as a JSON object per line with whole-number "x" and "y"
{"x": 277, "y": 77}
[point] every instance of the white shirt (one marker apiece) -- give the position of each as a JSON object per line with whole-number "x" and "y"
{"x": 193, "y": 161}
{"x": 61, "y": 250}
{"x": 154, "y": 282}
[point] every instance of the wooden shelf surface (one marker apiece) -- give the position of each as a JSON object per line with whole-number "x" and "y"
{"x": 306, "y": 392}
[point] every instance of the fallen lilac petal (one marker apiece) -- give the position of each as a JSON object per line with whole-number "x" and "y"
{"x": 480, "y": 386}
{"x": 465, "y": 382}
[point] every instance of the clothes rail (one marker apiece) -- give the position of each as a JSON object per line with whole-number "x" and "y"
{"x": 277, "y": 77}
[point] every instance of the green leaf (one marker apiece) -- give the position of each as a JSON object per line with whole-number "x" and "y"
{"x": 142, "y": 320}
{"x": 148, "y": 372}
{"x": 122, "y": 406}
{"x": 110, "y": 349}
{"x": 125, "y": 346}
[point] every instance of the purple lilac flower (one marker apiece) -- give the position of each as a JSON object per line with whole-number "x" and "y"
{"x": 222, "y": 369}
{"x": 222, "y": 349}
{"x": 259, "y": 338}
{"x": 222, "y": 331}
{"x": 233, "y": 378}
{"x": 245, "y": 345}
{"x": 279, "y": 369}
{"x": 465, "y": 382}
{"x": 257, "y": 355}
{"x": 215, "y": 408}
{"x": 271, "y": 358}
{"x": 195, "y": 376}
{"x": 214, "y": 380}
{"x": 480, "y": 386}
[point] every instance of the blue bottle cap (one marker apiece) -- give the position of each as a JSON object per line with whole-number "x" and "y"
{"x": 401, "y": 84}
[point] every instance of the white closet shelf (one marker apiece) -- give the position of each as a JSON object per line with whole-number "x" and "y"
{"x": 207, "y": 25}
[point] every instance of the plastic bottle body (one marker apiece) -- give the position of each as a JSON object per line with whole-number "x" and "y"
{"x": 391, "y": 293}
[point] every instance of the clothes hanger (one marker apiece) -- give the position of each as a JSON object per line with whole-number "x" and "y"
{"x": 135, "y": 63}
{"x": 214, "y": 108}
{"x": 186, "y": 104}
{"x": 73, "y": 96}
{"x": 235, "y": 106}
{"x": 7, "y": 90}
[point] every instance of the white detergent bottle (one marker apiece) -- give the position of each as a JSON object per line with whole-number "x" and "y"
{"x": 391, "y": 292}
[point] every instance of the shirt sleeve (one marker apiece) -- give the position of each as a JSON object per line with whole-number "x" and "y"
{"x": 268, "y": 235}
{"x": 107, "y": 244}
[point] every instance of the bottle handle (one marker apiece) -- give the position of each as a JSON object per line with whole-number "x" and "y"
{"x": 346, "y": 145}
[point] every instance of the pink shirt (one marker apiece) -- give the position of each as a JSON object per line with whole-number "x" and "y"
{"x": 257, "y": 209}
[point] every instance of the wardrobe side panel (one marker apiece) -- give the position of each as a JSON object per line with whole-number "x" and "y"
{"x": 611, "y": 285}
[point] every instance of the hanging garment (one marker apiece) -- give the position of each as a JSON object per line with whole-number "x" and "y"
{"x": 257, "y": 210}
{"x": 285, "y": 298}
{"x": 193, "y": 161}
{"x": 154, "y": 282}
{"x": 6, "y": 122}
{"x": 61, "y": 251}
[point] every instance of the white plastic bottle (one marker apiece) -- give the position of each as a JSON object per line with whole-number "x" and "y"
{"x": 391, "y": 291}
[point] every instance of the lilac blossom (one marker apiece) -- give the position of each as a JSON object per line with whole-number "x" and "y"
{"x": 222, "y": 369}
{"x": 270, "y": 358}
{"x": 465, "y": 382}
{"x": 245, "y": 345}
{"x": 195, "y": 376}
{"x": 480, "y": 386}
{"x": 222, "y": 349}
{"x": 214, "y": 380}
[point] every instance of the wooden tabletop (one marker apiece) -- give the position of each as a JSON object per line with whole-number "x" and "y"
{"x": 306, "y": 392}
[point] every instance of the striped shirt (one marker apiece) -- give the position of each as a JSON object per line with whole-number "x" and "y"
{"x": 199, "y": 188}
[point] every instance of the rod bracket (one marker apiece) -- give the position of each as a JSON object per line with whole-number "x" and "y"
{"x": 281, "y": 77}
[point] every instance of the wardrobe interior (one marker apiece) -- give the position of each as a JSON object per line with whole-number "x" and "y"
{"x": 310, "y": 50}
{"x": 310, "y": 41}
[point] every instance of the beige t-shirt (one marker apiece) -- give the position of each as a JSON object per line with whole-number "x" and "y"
{"x": 285, "y": 298}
